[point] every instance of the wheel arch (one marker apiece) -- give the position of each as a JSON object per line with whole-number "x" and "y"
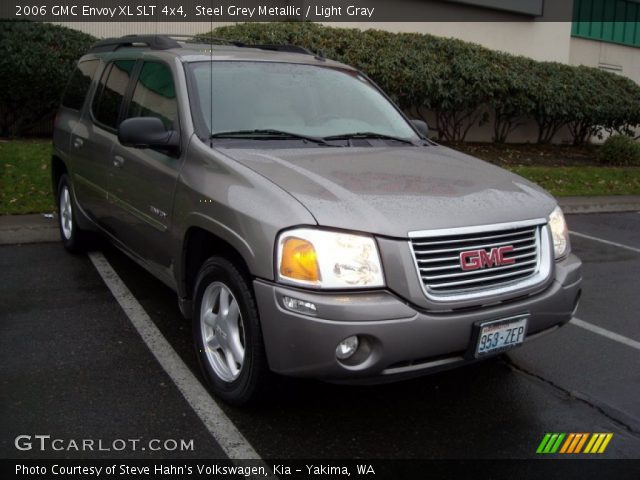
{"x": 199, "y": 244}
{"x": 58, "y": 168}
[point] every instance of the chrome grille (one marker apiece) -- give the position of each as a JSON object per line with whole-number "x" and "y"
{"x": 437, "y": 256}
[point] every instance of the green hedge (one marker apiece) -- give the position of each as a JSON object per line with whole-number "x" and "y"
{"x": 620, "y": 150}
{"x": 36, "y": 60}
{"x": 465, "y": 84}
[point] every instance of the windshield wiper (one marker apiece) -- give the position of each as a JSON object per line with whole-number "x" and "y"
{"x": 268, "y": 133}
{"x": 366, "y": 135}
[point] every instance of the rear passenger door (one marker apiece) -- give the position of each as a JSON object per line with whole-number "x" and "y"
{"x": 94, "y": 139}
{"x": 143, "y": 184}
{"x": 70, "y": 133}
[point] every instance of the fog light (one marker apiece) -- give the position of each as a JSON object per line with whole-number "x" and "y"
{"x": 347, "y": 347}
{"x": 300, "y": 306}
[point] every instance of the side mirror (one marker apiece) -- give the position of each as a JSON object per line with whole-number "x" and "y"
{"x": 147, "y": 132}
{"x": 421, "y": 127}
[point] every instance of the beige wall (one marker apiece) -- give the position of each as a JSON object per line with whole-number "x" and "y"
{"x": 616, "y": 58}
{"x": 538, "y": 40}
{"x": 117, "y": 29}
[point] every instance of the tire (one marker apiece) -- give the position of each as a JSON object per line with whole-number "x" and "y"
{"x": 74, "y": 239}
{"x": 227, "y": 334}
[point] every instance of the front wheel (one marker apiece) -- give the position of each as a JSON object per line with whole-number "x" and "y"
{"x": 227, "y": 334}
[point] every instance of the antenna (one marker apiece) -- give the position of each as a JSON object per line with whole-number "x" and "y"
{"x": 210, "y": 74}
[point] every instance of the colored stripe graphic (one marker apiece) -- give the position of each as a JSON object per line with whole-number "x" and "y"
{"x": 594, "y": 437}
{"x": 550, "y": 443}
{"x": 543, "y": 443}
{"x": 605, "y": 443}
{"x": 598, "y": 443}
{"x": 581, "y": 442}
{"x": 567, "y": 443}
{"x": 573, "y": 443}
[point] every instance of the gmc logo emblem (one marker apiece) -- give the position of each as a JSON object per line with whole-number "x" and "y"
{"x": 477, "y": 259}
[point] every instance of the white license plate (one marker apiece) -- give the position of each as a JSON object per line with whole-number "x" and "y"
{"x": 500, "y": 335}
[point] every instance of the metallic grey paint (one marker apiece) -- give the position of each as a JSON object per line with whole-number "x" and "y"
{"x": 247, "y": 196}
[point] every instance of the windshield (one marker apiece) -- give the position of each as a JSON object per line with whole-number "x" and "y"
{"x": 300, "y": 99}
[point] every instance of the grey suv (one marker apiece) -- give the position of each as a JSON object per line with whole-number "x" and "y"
{"x": 308, "y": 227}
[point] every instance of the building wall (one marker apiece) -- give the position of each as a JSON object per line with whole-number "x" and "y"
{"x": 538, "y": 40}
{"x": 117, "y": 29}
{"x": 620, "y": 59}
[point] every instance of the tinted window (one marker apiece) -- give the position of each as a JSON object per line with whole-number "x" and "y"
{"x": 79, "y": 84}
{"x": 111, "y": 91}
{"x": 155, "y": 95}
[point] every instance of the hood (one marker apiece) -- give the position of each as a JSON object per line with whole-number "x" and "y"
{"x": 396, "y": 190}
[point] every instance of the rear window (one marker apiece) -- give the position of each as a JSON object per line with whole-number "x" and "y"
{"x": 79, "y": 84}
{"x": 111, "y": 91}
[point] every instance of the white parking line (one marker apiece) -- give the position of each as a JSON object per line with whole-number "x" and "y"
{"x": 606, "y": 333}
{"x": 602, "y": 240}
{"x": 216, "y": 421}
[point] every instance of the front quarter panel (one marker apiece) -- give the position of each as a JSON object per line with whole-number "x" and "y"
{"x": 236, "y": 204}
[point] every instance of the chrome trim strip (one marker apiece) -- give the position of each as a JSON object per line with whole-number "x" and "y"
{"x": 488, "y": 237}
{"x": 457, "y": 264}
{"x": 474, "y": 247}
{"x": 446, "y": 232}
{"x": 528, "y": 271}
{"x": 477, "y": 272}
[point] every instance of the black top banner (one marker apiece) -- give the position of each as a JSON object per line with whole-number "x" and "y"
{"x": 289, "y": 10}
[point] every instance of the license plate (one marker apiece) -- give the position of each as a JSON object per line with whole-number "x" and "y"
{"x": 500, "y": 335}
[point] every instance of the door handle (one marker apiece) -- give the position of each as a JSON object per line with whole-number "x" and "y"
{"x": 77, "y": 142}
{"x": 118, "y": 161}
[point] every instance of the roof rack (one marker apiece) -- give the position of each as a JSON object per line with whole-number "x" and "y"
{"x": 280, "y": 48}
{"x": 236, "y": 43}
{"x": 154, "y": 42}
{"x": 168, "y": 41}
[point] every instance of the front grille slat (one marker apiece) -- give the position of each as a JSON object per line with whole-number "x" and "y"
{"x": 479, "y": 246}
{"x": 438, "y": 260}
{"x": 456, "y": 266}
{"x": 489, "y": 237}
{"x": 480, "y": 272}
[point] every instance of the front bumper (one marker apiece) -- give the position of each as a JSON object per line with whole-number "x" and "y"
{"x": 401, "y": 340}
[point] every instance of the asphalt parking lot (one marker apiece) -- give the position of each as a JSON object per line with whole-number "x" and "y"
{"x": 73, "y": 365}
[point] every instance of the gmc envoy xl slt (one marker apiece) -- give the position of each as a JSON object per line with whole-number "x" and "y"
{"x": 308, "y": 227}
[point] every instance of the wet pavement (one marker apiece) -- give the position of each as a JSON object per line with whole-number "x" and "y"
{"x": 73, "y": 366}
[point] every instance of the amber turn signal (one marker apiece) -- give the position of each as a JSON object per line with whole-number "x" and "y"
{"x": 299, "y": 260}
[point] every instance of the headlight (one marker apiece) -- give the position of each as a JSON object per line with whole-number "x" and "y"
{"x": 326, "y": 259}
{"x": 560, "y": 233}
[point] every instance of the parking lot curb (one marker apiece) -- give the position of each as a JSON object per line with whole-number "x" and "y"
{"x": 40, "y": 228}
{"x": 36, "y": 228}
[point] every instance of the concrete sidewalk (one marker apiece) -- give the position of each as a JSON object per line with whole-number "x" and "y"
{"x": 603, "y": 204}
{"x": 34, "y": 228}
{"x": 37, "y": 228}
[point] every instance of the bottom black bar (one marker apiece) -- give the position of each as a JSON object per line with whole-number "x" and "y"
{"x": 335, "y": 469}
